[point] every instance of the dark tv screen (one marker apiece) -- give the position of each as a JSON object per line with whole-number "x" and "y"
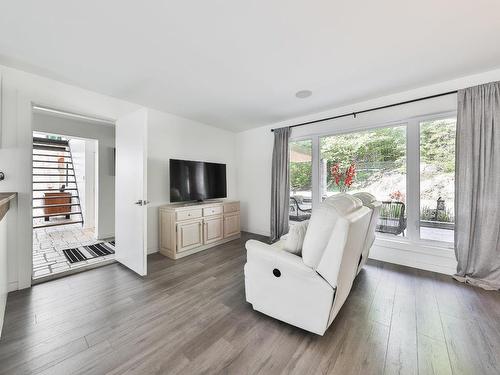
{"x": 196, "y": 180}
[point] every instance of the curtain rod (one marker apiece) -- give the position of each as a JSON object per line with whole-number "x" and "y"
{"x": 354, "y": 114}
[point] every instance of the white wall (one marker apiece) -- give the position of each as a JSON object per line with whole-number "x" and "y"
{"x": 172, "y": 137}
{"x": 254, "y": 148}
{"x": 19, "y": 91}
{"x": 105, "y": 136}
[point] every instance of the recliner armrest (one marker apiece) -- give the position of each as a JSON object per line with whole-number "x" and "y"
{"x": 260, "y": 252}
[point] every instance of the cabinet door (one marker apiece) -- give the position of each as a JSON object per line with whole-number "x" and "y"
{"x": 212, "y": 230}
{"x": 231, "y": 224}
{"x": 189, "y": 235}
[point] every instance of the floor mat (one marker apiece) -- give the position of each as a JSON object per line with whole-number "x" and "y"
{"x": 82, "y": 253}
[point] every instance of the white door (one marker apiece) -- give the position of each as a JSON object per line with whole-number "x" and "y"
{"x": 130, "y": 191}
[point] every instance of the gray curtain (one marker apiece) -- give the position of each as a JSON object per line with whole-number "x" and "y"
{"x": 477, "y": 186}
{"x": 280, "y": 184}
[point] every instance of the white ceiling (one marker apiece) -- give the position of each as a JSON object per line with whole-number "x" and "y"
{"x": 237, "y": 64}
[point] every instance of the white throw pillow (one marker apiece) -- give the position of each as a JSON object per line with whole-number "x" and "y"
{"x": 295, "y": 237}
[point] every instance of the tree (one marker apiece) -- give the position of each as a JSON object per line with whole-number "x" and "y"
{"x": 300, "y": 176}
{"x": 437, "y": 144}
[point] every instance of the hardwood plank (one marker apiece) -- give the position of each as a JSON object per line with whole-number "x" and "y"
{"x": 190, "y": 316}
{"x": 432, "y": 356}
{"x": 402, "y": 345}
{"x": 383, "y": 301}
{"x": 427, "y": 308}
{"x": 365, "y": 348}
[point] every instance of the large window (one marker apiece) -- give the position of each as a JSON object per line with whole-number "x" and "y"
{"x": 409, "y": 167}
{"x": 437, "y": 179}
{"x": 300, "y": 179}
{"x": 378, "y": 159}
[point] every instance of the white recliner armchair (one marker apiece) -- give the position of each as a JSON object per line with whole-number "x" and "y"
{"x": 309, "y": 291}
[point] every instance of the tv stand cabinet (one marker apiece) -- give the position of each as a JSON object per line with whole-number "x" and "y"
{"x": 188, "y": 228}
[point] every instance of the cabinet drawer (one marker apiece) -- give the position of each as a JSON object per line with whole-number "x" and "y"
{"x": 188, "y": 214}
{"x": 209, "y": 211}
{"x": 231, "y": 207}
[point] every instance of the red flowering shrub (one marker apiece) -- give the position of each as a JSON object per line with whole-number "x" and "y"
{"x": 343, "y": 180}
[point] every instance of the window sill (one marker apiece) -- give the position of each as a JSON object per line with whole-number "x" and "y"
{"x": 404, "y": 243}
{"x": 426, "y": 255}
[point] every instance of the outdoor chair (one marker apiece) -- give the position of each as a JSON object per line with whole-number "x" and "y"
{"x": 298, "y": 212}
{"x": 392, "y": 218}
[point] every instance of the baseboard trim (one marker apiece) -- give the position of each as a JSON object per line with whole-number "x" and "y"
{"x": 12, "y": 286}
{"x": 3, "y": 304}
{"x": 424, "y": 257}
{"x": 153, "y": 251}
{"x": 259, "y": 232}
{"x": 105, "y": 236}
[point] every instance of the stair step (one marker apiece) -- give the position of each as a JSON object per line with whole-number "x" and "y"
{"x": 59, "y": 152}
{"x": 49, "y": 148}
{"x": 56, "y": 205}
{"x": 54, "y": 182}
{"x": 60, "y": 142}
{"x": 59, "y": 168}
{"x": 54, "y": 156}
{"x": 54, "y": 190}
{"x": 58, "y": 214}
{"x": 57, "y": 197}
{"x": 52, "y": 161}
{"x": 58, "y": 224}
{"x": 53, "y": 174}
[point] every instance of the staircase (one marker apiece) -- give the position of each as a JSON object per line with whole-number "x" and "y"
{"x": 53, "y": 168}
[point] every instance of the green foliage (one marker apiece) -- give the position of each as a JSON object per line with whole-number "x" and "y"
{"x": 437, "y": 144}
{"x": 373, "y": 152}
{"x": 302, "y": 147}
{"x": 375, "y": 146}
{"x": 427, "y": 213}
{"x": 376, "y": 153}
{"x": 393, "y": 211}
{"x": 300, "y": 176}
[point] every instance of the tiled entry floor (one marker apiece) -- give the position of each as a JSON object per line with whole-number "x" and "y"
{"x": 48, "y": 244}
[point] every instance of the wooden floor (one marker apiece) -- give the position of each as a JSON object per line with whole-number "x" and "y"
{"x": 190, "y": 316}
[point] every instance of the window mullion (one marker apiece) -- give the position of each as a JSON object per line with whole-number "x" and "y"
{"x": 316, "y": 185}
{"x": 413, "y": 180}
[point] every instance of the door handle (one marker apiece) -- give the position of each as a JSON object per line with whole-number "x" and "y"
{"x": 139, "y": 202}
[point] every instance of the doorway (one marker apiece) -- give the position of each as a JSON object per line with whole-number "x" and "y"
{"x": 65, "y": 180}
{"x": 121, "y": 155}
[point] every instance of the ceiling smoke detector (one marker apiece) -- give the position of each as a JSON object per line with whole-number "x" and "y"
{"x": 302, "y": 94}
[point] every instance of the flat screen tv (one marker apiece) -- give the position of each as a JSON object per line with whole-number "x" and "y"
{"x": 196, "y": 180}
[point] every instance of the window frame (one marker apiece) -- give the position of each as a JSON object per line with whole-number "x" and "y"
{"x": 412, "y": 125}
